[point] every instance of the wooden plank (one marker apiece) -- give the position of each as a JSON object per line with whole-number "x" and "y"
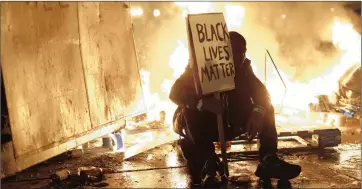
{"x": 109, "y": 59}
{"x": 302, "y": 141}
{"x": 41, "y": 62}
{"x": 156, "y": 138}
{"x": 24, "y": 162}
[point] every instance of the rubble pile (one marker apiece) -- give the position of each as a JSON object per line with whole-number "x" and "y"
{"x": 350, "y": 107}
{"x": 347, "y": 107}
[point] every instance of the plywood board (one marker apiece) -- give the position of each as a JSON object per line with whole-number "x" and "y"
{"x": 44, "y": 82}
{"x": 111, "y": 71}
{"x": 211, "y": 49}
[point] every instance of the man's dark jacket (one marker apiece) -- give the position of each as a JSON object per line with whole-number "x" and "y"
{"x": 249, "y": 92}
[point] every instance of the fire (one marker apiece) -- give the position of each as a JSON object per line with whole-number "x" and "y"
{"x": 234, "y": 16}
{"x": 298, "y": 95}
{"x": 151, "y": 99}
{"x": 179, "y": 59}
{"x": 178, "y": 62}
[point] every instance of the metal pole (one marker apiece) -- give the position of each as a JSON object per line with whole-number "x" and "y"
{"x": 264, "y": 68}
{"x": 222, "y": 139}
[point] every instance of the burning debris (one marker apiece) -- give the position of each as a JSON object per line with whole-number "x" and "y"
{"x": 143, "y": 121}
{"x": 332, "y": 49}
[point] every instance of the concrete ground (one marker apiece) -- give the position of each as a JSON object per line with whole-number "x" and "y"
{"x": 164, "y": 167}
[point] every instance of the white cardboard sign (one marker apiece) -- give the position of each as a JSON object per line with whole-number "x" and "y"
{"x": 211, "y": 53}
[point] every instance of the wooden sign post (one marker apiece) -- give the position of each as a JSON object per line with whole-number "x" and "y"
{"x": 211, "y": 60}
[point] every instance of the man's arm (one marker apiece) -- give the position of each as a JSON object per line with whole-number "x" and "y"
{"x": 183, "y": 92}
{"x": 258, "y": 91}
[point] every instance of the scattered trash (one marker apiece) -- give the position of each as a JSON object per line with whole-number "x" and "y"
{"x": 107, "y": 142}
{"x": 60, "y": 175}
{"x": 117, "y": 142}
{"x": 93, "y": 174}
{"x": 77, "y": 153}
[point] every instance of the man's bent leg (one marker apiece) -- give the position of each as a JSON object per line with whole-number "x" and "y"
{"x": 198, "y": 147}
{"x": 270, "y": 165}
{"x": 200, "y": 159}
{"x": 268, "y": 137}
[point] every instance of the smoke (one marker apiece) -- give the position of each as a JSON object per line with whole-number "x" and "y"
{"x": 297, "y": 34}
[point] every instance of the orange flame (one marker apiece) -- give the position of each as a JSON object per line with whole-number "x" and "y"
{"x": 299, "y": 94}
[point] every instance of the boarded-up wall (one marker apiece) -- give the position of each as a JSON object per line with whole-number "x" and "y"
{"x": 43, "y": 75}
{"x": 108, "y": 53}
{"x": 68, "y": 67}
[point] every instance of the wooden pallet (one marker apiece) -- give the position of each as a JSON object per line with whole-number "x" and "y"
{"x": 309, "y": 133}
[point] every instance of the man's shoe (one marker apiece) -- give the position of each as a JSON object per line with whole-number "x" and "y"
{"x": 273, "y": 167}
{"x": 209, "y": 175}
{"x": 210, "y": 181}
{"x": 265, "y": 184}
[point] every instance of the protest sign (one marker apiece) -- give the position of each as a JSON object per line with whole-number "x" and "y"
{"x": 211, "y": 60}
{"x": 211, "y": 54}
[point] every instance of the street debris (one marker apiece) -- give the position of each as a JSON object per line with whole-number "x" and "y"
{"x": 92, "y": 176}
{"x": 91, "y": 173}
{"x": 77, "y": 153}
{"x": 140, "y": 122}
{"x": 339, "y": 112}
{"x": 107, "y": 143}
{"x": 60, "y": 175}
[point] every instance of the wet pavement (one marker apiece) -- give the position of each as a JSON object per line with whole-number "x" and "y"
{"x": 164, "y": 167}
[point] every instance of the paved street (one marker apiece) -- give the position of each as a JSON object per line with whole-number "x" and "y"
{"x": 164, "y": 167}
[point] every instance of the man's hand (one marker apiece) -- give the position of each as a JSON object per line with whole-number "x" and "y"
{"x": 213, "y": 105}
{"x": 254, "y": 125}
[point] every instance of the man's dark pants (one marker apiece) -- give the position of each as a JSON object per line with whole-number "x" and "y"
{"x": 202, "y": 126}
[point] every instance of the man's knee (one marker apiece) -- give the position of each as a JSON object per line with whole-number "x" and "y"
{"x": 270, "y": 114}
{"x": 270, "y": 109}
